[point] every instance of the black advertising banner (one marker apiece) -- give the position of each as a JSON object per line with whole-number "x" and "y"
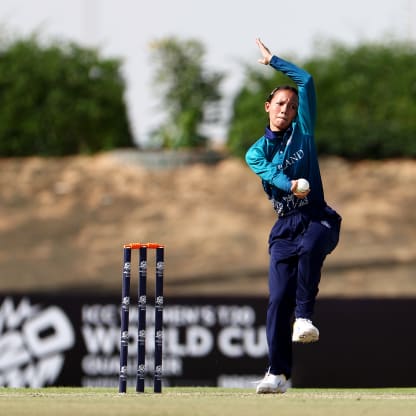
{"x": 74, "y": 340}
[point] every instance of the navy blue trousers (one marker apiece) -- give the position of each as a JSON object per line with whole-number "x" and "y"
{"x": 298, "y": 245}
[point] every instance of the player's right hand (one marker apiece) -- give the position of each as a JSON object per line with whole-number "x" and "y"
{"x": 296, "y": 192}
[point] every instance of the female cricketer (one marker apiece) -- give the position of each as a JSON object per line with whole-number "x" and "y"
{"x": 306, "y": 230}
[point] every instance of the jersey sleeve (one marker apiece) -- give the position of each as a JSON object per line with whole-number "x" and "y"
{"x": 269, "y": 172}
{"x": 306, "y": 89}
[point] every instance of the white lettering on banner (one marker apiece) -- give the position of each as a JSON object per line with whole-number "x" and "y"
{"x": 97, "y": 364}
{"x": 208, "y": 316}
{"x": 255, "y": 342}
{"x": 228, "y": 342}
{"x": 101, "y": 339}
{"x": 181, "y": 315}
{"x": 106, "y": 340}
{"x": 107, "y": 314}
{"x": 171, "y": 342}
{"x": 32, "y": 340}
{"x": 236, "y": 315}
{"x": 109, "y": 382}
{"x": 190, "y": 331}
{"x": 238, "y": 380}
{"x": 199, "y": 341}
{"x": 102, "y": 365}
{"x": 177, "y": 315}
{"x": 237, "y": 342}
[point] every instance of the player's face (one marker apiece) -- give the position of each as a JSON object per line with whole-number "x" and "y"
{"x": 282, "y": 109}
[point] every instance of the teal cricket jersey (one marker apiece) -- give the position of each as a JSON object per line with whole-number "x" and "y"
{"x": 279, "y": 158}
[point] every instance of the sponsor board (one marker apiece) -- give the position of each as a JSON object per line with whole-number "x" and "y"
{"x": 74, "y": 340}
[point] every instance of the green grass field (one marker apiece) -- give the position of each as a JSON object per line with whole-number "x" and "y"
{"x": 207, "y": 402}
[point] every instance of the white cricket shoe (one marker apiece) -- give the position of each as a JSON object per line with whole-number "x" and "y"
{"x": 304, "y": 331}
{"x": 273, "y": 384}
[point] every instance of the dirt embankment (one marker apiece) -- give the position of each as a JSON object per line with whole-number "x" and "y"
{"x": 63, "y": 223}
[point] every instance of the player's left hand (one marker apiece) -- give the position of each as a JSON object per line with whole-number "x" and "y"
{"x": 264, "y": 50}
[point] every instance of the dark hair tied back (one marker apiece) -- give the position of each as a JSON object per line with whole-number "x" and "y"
{"x": 281, "y": 87}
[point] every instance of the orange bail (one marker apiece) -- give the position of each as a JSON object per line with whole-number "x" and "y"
{"x": 136, "y": 246}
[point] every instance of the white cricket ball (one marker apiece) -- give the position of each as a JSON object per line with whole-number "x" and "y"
{"x": 303, "y": 185}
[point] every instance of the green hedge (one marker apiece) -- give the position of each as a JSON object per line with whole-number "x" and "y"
{"x": 366, "y": 102}
{"x": 59, "y": 99}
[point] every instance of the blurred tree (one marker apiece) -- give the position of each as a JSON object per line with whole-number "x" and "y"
{"x": 59, "y": 99}
{"x": 366, "y": 102}
{"x": 188, "y": 92}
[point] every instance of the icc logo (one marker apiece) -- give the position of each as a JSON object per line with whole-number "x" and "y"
{"x": 143, "y": 265}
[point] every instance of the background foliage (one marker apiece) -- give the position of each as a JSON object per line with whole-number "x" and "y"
{"x": 59, "y": 99}
{"x": 366, "y": 102}
{"x": 188, "y": 92}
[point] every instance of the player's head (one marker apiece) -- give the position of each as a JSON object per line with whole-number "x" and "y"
{"x": 282, "y": 107}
